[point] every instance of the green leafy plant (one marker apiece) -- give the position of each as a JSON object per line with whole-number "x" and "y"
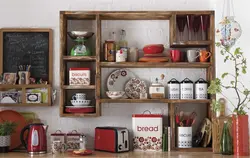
{"x": 7, "y": 128}
{"x": 241, "y": 92}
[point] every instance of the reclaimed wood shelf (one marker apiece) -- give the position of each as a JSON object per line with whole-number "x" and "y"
{"x": 191, "y": 43}
{"x": 154, "y": 101}
{"x": 79, "y": 115}
{"x": 155, "y": 65}
{"x": 78, "y": 87}
{"x": 79, "y": 58}
{"x": 24, "y": 104}
{"x": 195, "y": 149}
{"x": 9, "y": 86}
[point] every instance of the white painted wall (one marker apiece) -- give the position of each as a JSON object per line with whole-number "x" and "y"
{"x": 37, "y": 13}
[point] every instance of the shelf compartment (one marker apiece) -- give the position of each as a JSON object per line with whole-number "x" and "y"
{"x": 191, "y": 43}
{"x": 79, "y": 58}
{"x": 155, "y": 65}
{"x": 79, "y": 115}
{"x": 78, "y": 87}
{"x": 152, "y": 101}
{"x": 8, "y": 86}
{"x": 195, "y": 149}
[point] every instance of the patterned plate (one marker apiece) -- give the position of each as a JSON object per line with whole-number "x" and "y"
{"x": 134, "y": 87}
{"x": 118, "y": 78}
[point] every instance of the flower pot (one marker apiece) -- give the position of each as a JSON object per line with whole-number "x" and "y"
{"x": 240, "y": 135}
{"x": 4, "y": 144}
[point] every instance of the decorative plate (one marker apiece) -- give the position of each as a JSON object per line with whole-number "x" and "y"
{"x": 118, "y": 78}
{"x": 134, "y": 87}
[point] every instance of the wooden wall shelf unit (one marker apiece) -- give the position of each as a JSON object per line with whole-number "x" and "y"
{"x": 97, "y": 59}
{"x": 27, "y": 46}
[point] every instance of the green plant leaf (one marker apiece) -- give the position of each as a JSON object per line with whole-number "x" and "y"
{"x": 232, "y": 82}
{"x": 237, "y": 51}
{"x": 7, "y": 128}
{"x": 224, "y": 75}
{"x": 215, "y": 86}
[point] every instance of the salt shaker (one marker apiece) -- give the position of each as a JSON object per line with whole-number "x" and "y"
{"x": 83, "y": 142}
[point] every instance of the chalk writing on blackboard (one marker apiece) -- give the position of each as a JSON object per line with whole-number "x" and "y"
{"x": 27, "y": 48}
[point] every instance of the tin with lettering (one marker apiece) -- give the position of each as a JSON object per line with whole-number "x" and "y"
{"x": 109, "y": 50}
{"x": 173, "y": 89}
{"x": 187, "y": 89}
{"x": 184, "y": 137}
{"x": 147, "y": 132}
{"x": 201, "y": 89}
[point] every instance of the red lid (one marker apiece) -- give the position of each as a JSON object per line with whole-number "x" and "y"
{"x": 58, "y": 133}
{"x": 147, "y": 115}
{"x": 73, "y": 133}
{"x": 79, "y": 68}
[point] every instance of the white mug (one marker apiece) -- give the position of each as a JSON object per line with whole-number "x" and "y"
{"x": 79, "y": 96}
{"x": 192, "y": 55}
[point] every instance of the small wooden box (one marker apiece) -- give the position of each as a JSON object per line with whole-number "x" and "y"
{"x": 217, "y": 127}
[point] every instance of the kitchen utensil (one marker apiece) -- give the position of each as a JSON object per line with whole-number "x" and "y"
{"x": 175, "y": 55}
{"x": 37, "y": 139}
{"x": 153, "y": 49}
{"x": 187, "y": 89}
{"x": 80, "y": 37}
{"x": 192, "y": 55}
{"x": 79, "y": 96}
{"x": 204, "y": 55}
{"x": 112, "y": 139}
{"x": 190, "y": 119}
{"x": 82, "y": 109}
{"x": 134, "y": 87}
{"x": 173, "y": 89}
{"x": 177, "y": 114}
{"x": 201, "y": 89}
{"x": 118, "y": 79}
{"x": 13, "y": 116}
{"x": 115, "y": 94}
{"x": 80, "y": 102}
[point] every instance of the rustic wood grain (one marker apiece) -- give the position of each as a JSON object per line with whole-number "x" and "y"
{"x": 25, "y": 104}
{"x": 78, "y": 87}
{"x": 1, "y": 51}
{"x": 23, "y": 95}
{"x": 79, "y": 58}
{"x": 79, "y": 115}
{"x": 187, "y": 44}
{"x": 217, "y": 128}
{"x": 50, "y": 56}
{"x": 8, "y": 86}
{"x": 49, "y": 96}
{"x": 194, "y": 149}
{"x": 153, "y": 101}
{"x": 172, "y": 32}
{"x": 155, "y": 65}
{"x": 172, "y": 125}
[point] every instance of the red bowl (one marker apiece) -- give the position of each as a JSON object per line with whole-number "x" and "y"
{"x": 153, "y": 49}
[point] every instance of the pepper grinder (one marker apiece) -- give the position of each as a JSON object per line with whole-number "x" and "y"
{"x": 82, "y": 142}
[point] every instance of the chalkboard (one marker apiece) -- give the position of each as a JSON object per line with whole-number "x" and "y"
{"x": 27, "y": 48}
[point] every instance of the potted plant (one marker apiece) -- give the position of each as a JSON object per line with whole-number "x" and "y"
{"x": 233, "y": 84}
{"x": 6, "y": 129}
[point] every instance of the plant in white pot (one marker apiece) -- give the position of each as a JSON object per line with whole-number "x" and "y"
{"x": 6, "y": 129}
{"x": 231, "y": 83}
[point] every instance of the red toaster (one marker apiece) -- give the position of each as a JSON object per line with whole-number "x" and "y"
{"x": 112, "y": 139}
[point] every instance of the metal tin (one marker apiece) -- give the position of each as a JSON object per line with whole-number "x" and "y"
{"x": 187, "y": 89}
{"x": 201, "y": 89}
{"x": 173, "y": 89}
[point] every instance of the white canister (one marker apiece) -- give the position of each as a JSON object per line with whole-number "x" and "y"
{"x": 79, "y": 76}
{"x": 201, "y": 89}
{"x": 184, "y": 137}
{"x": 187, "y": 89}
{"x": 173, "y": 89}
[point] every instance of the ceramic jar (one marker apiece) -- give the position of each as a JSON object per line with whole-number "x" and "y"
{"x": 228, "y": 31}
{"x": 187, "y": 88}
{"x": 173, "y": 89}
{"x": 73, "y": 140}
{"x": 201, "y": 89}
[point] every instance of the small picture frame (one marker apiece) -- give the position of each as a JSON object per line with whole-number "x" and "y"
{"x": 9, "y": 78}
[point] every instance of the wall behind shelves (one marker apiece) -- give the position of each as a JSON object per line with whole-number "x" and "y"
{"x": 37, "y": 13}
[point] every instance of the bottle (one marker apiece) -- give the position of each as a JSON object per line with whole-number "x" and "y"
{"x": 123, "y": 44}
{"x": 109, "y": 48}
{"x": 226, "y": 144}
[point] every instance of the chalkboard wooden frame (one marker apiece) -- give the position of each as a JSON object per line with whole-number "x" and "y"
{"x": 28, "y": 30}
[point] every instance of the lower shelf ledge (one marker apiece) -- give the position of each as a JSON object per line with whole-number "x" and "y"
{"x": 194, "y": 149}
{"x": 25, "y": 104}
{"x": 79, "y": 115}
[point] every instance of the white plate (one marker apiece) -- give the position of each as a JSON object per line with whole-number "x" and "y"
{"x": 79, "y": 107}
{"x": 118, "y": 78}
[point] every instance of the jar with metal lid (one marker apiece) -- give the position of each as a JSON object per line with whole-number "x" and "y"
{"x": 201, "y": 89}
{"x": 157, "y": 90}
{"x": 173, "y": 89}
{"x": 187, "y": 89}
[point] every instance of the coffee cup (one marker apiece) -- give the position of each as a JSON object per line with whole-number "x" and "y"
{"x": 204, "y": 55}
{"x": 192, "y": 55}
{"x": 79, "y": 96}
{"x": 175, "y": 55}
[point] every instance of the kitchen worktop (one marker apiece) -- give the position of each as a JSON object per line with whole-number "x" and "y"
{"x": 98, "y": 154}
